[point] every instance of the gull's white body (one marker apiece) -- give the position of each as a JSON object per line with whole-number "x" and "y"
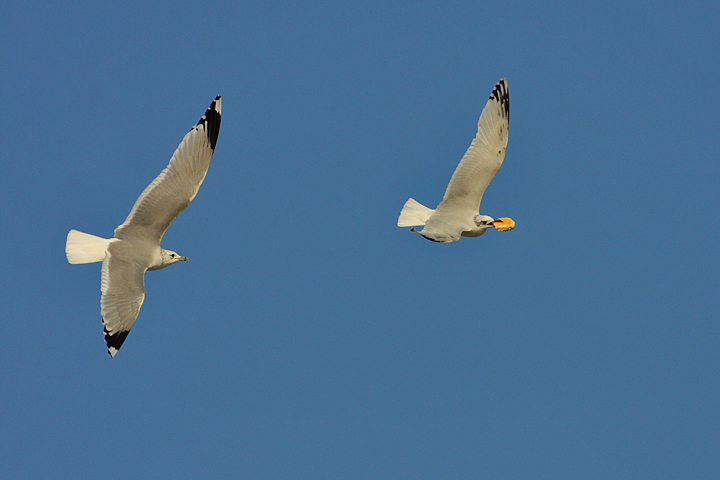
{"x": 136, "y": 246}
{"x": 458, "y": 213}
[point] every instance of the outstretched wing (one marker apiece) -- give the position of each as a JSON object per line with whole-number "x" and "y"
{"x": 123, "y": 292}
{"x": 486, "y": 153}
{"x": 176, "y": 186}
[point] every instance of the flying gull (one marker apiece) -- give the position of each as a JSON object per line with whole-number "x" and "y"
{"x": 136, "y": 245}
{"x": 458, "y": 213}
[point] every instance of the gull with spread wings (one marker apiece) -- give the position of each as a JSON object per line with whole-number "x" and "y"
{"x": 136, "y": 245}
{"x": 458, "y": 213}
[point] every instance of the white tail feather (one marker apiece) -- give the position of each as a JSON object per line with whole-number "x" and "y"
{"x": 85, "y": 248}
{"x": 414, "y": 214}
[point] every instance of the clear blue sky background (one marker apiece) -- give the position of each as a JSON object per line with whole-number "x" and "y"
{"x": 309, "y": 337}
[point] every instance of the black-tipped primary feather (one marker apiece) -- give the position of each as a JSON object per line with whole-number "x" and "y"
{"x": 114, "y": 341}
{"x": 211, "y": 122}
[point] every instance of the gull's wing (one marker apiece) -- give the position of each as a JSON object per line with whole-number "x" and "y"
{"x": 176, "y": 186}
{"x": 486, "y": 153}
{"x": 123, "y": 292}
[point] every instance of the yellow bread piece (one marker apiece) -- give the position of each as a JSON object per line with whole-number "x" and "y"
{"x": 504, "y": 224}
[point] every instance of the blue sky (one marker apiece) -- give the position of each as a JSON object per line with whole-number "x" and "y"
{"x": 308, "y": 337}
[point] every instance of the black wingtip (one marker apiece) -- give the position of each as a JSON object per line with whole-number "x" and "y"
{"x": 211, "y": 121}
{"x": 114, "y": 340}
{"x": 501, "y": 94}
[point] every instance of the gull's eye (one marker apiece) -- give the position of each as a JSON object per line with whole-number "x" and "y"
{"x": 172, "y": 255}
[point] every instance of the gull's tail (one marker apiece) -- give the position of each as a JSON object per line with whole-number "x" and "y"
{"x": 85, "y": 248}
{"x": 414, "y": 213}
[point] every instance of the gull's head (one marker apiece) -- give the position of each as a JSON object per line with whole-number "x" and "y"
{"x": 483, "y": 222}
{"x": 503, "y": 224}
{"x": 169, "y": 258}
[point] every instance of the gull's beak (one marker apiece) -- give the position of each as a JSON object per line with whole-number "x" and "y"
{"x": 182, "y": 259}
